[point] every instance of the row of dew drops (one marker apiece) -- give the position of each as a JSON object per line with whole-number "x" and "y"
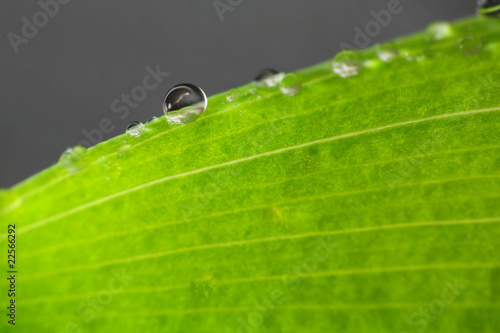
{"x": 185, "y": 103}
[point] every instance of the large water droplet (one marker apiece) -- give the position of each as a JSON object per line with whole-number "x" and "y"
{"x": 470, "y": 46}
{"x": 489, "y": 7}
{"x": 291, "y": 84}
{"x": 347, "y": 63}
{"x": 184, "y": 103}
{"x": 440, "y": 30}
{"x": 387, "y": 52}
{"x": 135, "y": 128}
{"x": 72, "y": 158}
{"x": 269, "y": 77}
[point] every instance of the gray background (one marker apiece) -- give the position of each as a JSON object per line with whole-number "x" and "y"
{"x": 65, "y": 79}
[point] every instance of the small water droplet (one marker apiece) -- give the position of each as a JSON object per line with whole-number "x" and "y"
{"x": 72, "y": 153}
{"x": 135, "y": 128}
{"x": 9, "y": 200}
{"x": 269, "y": 77}
{"x": 387, "y": 52}
{"x": 72, "y": 158}
{"x": 152, "y": 119}
{"x": 291, "y": 84}
{"x": 470, "y": 46}
{"x": 234, "y": 94}
{"x": 347, "y": 63}
{"x": 414, "y": 55}
{"x": 124, "y": 151}
{"x": 440, "y": 30}
{"x": 489, "y": 7}
{"x": 184, "y": 103}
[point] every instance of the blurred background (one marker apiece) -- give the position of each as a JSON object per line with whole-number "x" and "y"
{"x": 65, "y": 65}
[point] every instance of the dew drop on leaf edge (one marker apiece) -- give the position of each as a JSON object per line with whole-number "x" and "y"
{"x": 439, "y": 30}
{"x": 233, "y": 95}
{"x": 347, "y": 63}
{"x": 387, "y": 52}
{"x": 135, "y": 128}
{"x": 268, "y": 77}
{"x": 290, "y": 84}
{"x": 184, "y": 104}
{"x": 72, "y": 154}
{"x": 72, "y": 158}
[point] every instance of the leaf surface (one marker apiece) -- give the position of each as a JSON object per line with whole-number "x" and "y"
{"x": 361, "y": 204}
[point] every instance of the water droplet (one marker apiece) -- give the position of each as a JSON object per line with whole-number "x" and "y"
{"x": 347, "y": 63}
{"x": 184, "y": 103}
{"x": 489, "y": 7}
{"x": 135, "y": 128}
{"x": 440, "y": 30}
{"x": 414, "y": 55}
{"x": 387, "y": 52}
{"x": 9, "y": 200}
{"x": 234, "y": 94}
{"x": 72, "y": 154}
{"x": 152, "y": 119}
{"x": 470, "y": 46}
{"x": 269, "y": 77}
{"x": 124, "y": 151}
{"x": 291, "y": 84}
{"x": 72, "y": 158}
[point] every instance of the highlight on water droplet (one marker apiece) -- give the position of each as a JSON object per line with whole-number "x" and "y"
{"x": 439, "y": 30}
{"x": 489, "y": 7}
{"x": 290, "y": 84}
{"x": 387, "y": 52}
{"x": 470, "y": 45}
{"x": 135, "y": 128}
{"x": 268, "y": 77}
{"x": 347, "y": 63}
{"x": 184, "y": 103}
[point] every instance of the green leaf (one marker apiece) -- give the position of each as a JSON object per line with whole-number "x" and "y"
{"x": 361, "y": 204}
